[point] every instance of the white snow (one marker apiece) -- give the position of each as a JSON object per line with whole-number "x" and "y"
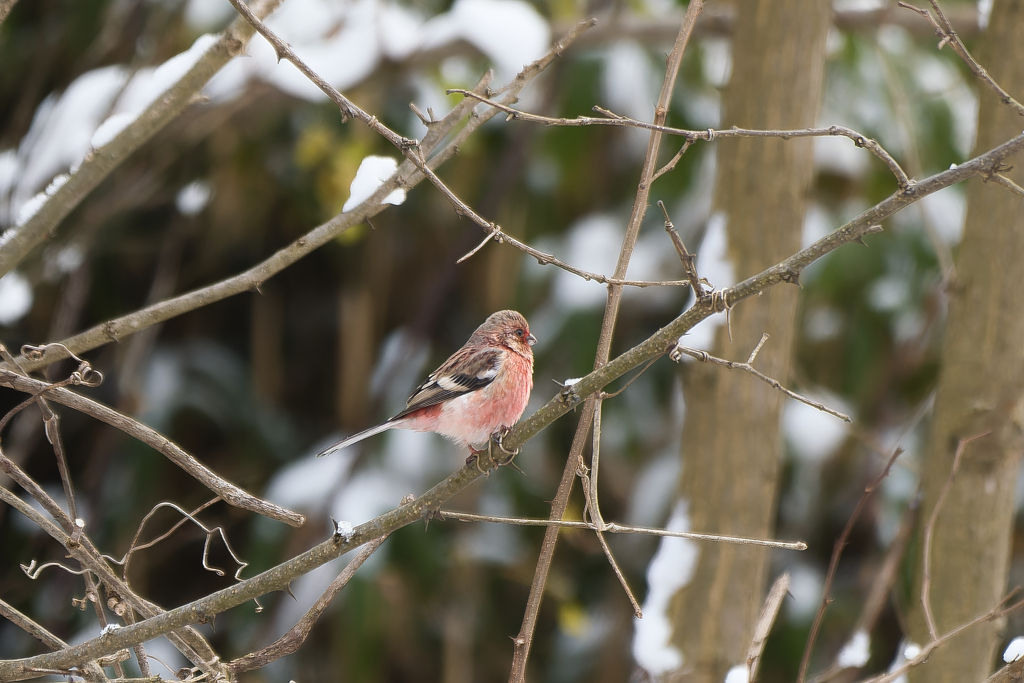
{"x": 717, "y": 60}
{"x": 61, "y": 128}
{"x": 310, "y": 483}
{"x": 193, "y": 197}
{"x": 984, "y": 13}
{"x": 817, "y": 224}
{"x": 856, "y": 652}
{"x": 344, "y": 529}
{"x": 947, "y": 210}
{"x": 593, "y": 245}
{"x": 738, "y": 674}
{"x": 805, "y": 587}
{"x": 372, "y": 173}
{"x": 889, "y": 293}
{"x": 837, "y": 154}
{"x": 671, "y": 568}
{"x": 15, "y": 297}
{"x": 1014, "y": 651}
{"x": 822, "y": 323}
{"x": 627, "y": 82}
{"x": 399, "y": 30}
{"x": 203, "y": 15}
{"x": 511, "y": 33}
{"x": 911, "y": 650}
{"x": 29, "y": 209}
{"x": 111, "y": 127}
{"x": 146, "y": 87}
{"x": 814, "y": 434}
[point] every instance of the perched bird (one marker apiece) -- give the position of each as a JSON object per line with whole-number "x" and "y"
{"x": 481, "y": 390}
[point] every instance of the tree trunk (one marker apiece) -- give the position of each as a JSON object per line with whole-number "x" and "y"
{"x": 979, "y": 391}
{"x": 731, "y": 443}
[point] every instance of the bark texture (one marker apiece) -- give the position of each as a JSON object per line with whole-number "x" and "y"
{"x": 979, "y": 390}
{"x": 731, "y": 443}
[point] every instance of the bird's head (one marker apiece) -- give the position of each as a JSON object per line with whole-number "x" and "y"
{"x": 509, "y": 329}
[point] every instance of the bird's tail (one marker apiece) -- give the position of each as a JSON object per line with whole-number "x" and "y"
{"x": 366, "y": 433}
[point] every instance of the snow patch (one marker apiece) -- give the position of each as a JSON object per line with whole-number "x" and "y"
{"x": 813, "y": 434}
{"x": 856, "y": 652}
{"x": 738, "y": 674}
{"x": 193, "y": 198}
{"x": 15, "y": 297}
{"x": 511, "y": 33}
{"x": 593, "y": 245}
{"x": 671, "y": 568}
{"x": 372, "y": 173}
{"x": 146, "y": 87}
{"x": 1014, "y": 651}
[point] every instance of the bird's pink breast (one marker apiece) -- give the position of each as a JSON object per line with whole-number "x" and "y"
{"x": 471, "y": 419}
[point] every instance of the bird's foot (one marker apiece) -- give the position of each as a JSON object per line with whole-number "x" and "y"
{"x": 474, "y": 458}
{"x": 497, "y": 438}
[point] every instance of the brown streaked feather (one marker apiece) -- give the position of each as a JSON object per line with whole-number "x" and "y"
{"x": 477, "y": 369}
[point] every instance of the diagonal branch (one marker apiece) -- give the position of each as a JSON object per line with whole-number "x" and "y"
{"x": 232, "y": 494}
{"x": 99, "y": 163}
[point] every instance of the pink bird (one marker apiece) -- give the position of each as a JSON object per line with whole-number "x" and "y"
{"x": 481, "y": 390}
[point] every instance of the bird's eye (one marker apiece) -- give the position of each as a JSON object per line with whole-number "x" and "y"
{"x": 519, "y": 332}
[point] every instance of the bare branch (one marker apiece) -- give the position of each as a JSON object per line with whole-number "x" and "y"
{"x": 99, "y": 163}
{"x": 1005, "y": 183}
{"x": 944, "y": 30}
{"x": 705, "y": 357}
{"x": 231, "y": 494}
{"x": 833, "y": 565}
{"x": 524, "y": 639}
{"x": 613, "y": 528}
{"x": 498, "y": 235}
{"x": 708, "y": 135}
{"x": 5, "y": 8}
{"x": 770, "y": 610}
{"x": 929, "y": 533}
{"x": 296, "y": 636}
{"x": 347, "y": 107}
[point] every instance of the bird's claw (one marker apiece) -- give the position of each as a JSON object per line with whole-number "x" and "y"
{"x": 474, "y": 457}
{"x": 498, "y": 438}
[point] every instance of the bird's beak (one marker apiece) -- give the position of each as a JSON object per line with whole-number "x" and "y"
{"x": 531, "y": 340}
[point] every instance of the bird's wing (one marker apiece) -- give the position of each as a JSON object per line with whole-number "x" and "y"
{"x": 468, "y": 370}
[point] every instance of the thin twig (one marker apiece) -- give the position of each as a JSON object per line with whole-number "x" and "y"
{"x": 671, "y": 165}
{"x": 296, "y": 636}
{"x": 929, "y": 648}
{"x": 833, "y": 565}
{"x": 944, "y": 30}
{"x": 347, "y": 107}
{"x": 613, "y": 528}
{"x": 929, "y": 532}
{"x": 498, "y": 235}
{"x": 230, "y": 493}
{"x": 100, "y": 163}
{"x": 1005, "y": 183}
{"x": 706, "y": 357}
{"x": 708, "y": 135}
{"x": 688, "y": 260}
{"x": 769, "y": 612}
{"x": 524, "y": 639}
{"x": 590, "y": 494}
{"x": 186, "y": 639}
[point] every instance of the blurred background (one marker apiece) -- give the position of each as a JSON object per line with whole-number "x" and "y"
{"x": 255, "y": 385}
